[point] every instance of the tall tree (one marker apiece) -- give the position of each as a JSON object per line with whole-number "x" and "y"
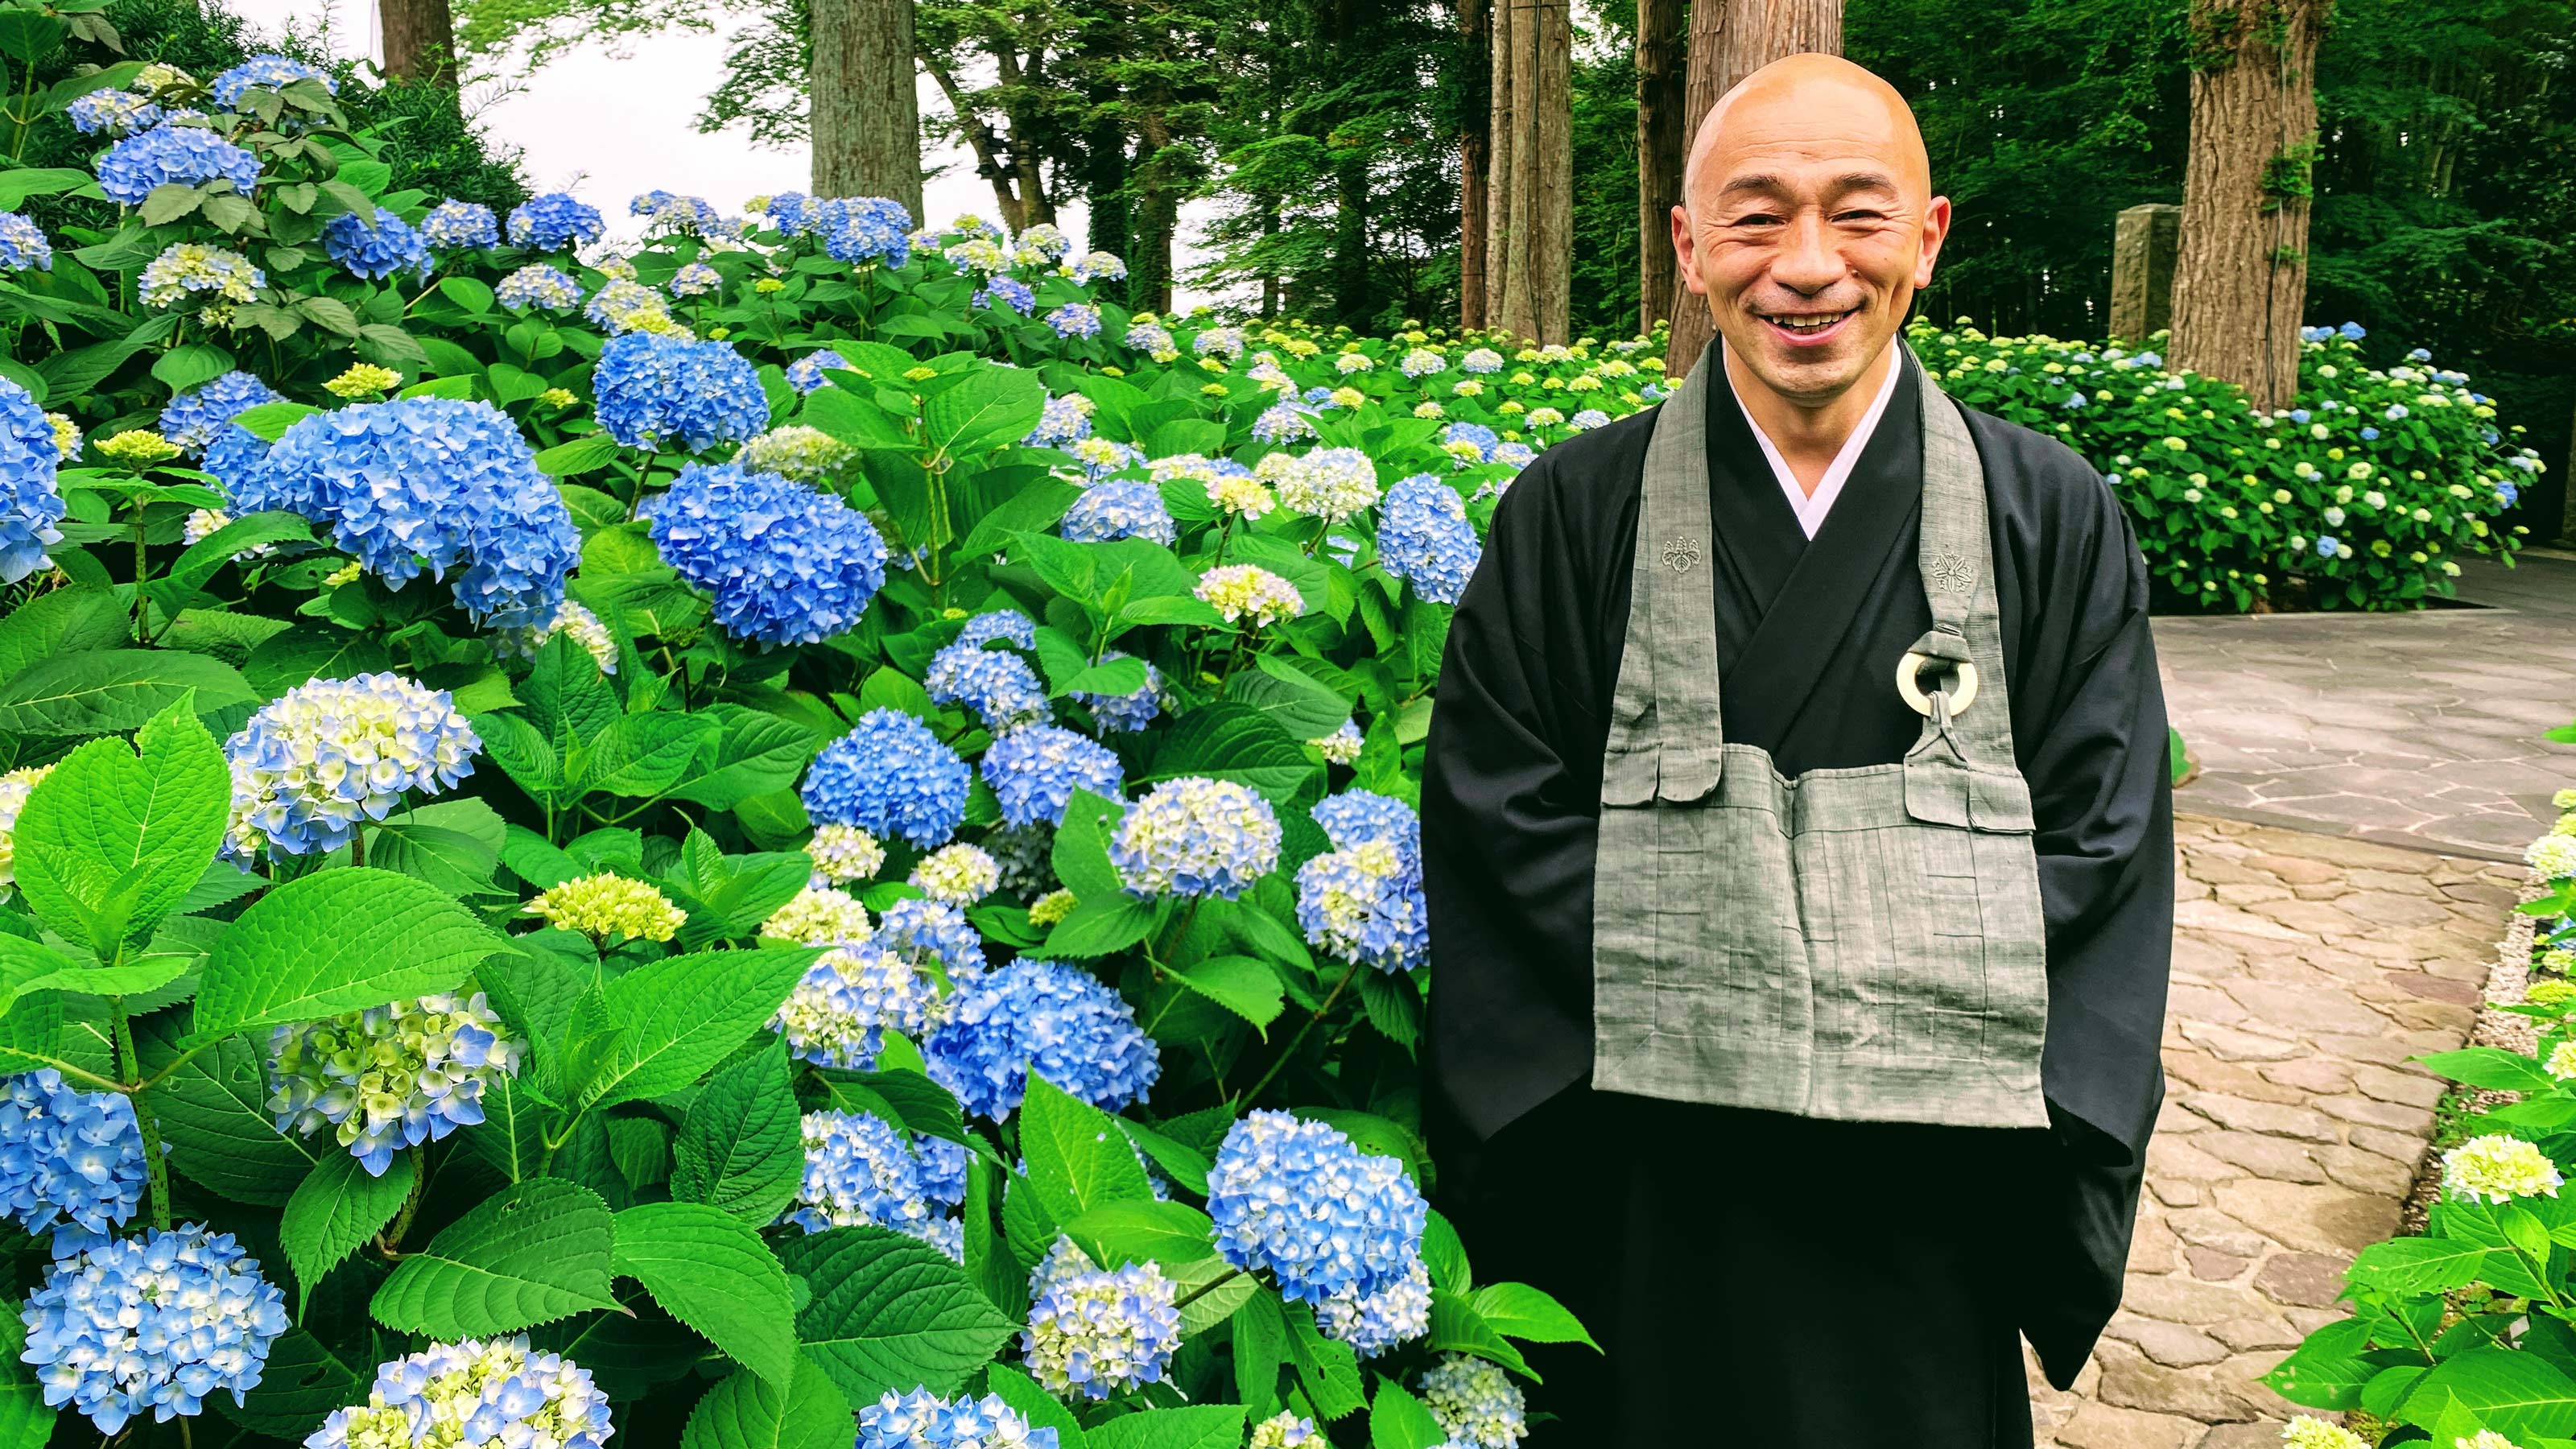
{"x": 1475, "y": 143}
{"x": 866, "y": 121}
{"x": 420, "y": 40}
{"x": 1729, "y": 40}
{"x": 1012, "y": 124}
{"x": 2242, "y": 274}
{"x": 1660, "y": 101}
{"x": 1531, "y": 207}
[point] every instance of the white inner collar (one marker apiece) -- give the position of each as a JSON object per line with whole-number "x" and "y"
{"x": 1812, "y": 508}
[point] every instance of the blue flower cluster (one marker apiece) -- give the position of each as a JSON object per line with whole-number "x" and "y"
{"x": 173, "y": 155}
{"x": 30, "y": 505}
{"x": 273, "y": 71}
{"x": 860, "y": 1171}
{"x": 1458, "y": 437}
{"x": 152, "y": 1324}
{"x": 919, "y": 932}
{"x": 1065, "y": 419}
{"x": 786, "y": 564}
{"x": 1284, "y": 422}
{"x": 1355, "y": 818}
{"x": 71, "y": 1162}
{"x": 866, "y": 230}
{"x": 113, "y": 113}
{"x": 1075, "y": 319}
{"x": 539, "y": 285}
{"x": 889, "y": 776}
{"x": 445, "y": 481}
{"x": 996, "y": 684}
{"x": 238, "y": 458}
{"x": 554, "y": 221}
{"x": 1515, "y": 455}
{"x": 378, "y": 251}
{"x": 668, "y": 211}
{"x": 459, "y": 225}
{"x": 923, "y": 1420}
{"x": 24, "y": 245}
{"x": 696, "y": 279}
{"x": 329, "y": 753}
{"x": 1038, "y": 1016}
{"x": 1033, "y": 773}
{"x": 998, "y": 625}
{"x": 1015, "y": 294}
{"x": 1097, "y": 1333}
{"x": 1123, "y": 508}
{"x": 1124, "y": 713}
{"x": 1365, "y": 905}
{"x": 473, "y": 1395}
{"x": 1196, "y": 837}
{"x": 192, "y": 417}
{"x": 806, "y": 373}
{"x": 1297, "y": 1199}
{"x": 653, "y": 390}
{"x": 391, "y": 1076}
{"x": 1372, "y": 1323}
{"x": 1425, "y": 539}
{"x": 839, "y": 1014}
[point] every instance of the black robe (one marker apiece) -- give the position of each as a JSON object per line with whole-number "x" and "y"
{"x": 1756, "y": 1278}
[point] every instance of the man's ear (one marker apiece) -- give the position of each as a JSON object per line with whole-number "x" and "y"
{"x": 1936, "y": 229}
{"x": 1686, "y": 252}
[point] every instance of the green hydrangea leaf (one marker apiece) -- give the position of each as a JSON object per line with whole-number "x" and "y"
{"x": 119, "y": 834}
{"x": 534, "y": 1252}
{"x": 740, "y": 1147}
{"x": 338, "y": 940}
{"x": 681, "y": 1016}
{"x": 891, "y": 1313}
{"x": 711, "y": 1271}
{"x": 747, "y": 1412}
{"x": 337, "y": 1207}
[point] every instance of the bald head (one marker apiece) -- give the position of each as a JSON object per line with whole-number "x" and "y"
{"x": 1824, "y": 96}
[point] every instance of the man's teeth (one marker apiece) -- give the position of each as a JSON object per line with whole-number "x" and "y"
{"x": 1817, "y": 323}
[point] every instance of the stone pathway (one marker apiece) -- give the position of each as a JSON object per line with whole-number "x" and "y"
{"x": 2307, "y": 969}
{"x": 2415, "y": 729}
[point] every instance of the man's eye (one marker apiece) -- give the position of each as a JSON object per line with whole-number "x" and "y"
{"x": 1759, "y": 218}
{"x": 1861, "y": 217}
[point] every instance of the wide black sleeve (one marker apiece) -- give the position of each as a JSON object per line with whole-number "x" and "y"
{"x": 1512, "y": 783}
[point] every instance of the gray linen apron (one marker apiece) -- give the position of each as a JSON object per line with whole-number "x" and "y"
{"x": 1863, "y": 944}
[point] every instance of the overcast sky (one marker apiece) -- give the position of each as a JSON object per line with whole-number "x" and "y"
{"x": 611, "y": 126}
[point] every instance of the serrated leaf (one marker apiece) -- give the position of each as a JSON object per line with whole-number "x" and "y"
{"x": 302, "y": 1382}
{"x": 337, "y": 1207}
{"x": 1080, "y": 853}
{"x": 1078, "y": 1159}
{"x": 1240, "y": 984}
{"x": 214, "y": 1114}
{"x": 1456, "y": 1327}
{"x": 117, "y": 835}
{"x": 756, "y": 754}
{"x": 1117, "y": 1233}
{"x": 642, "y": 755}
{"x": 534, "y": 1252}
{"x": 1397, "y": 1420}
{"x": 890, "y": 1312}
{"x": 712, "y": 1272}
{"x": 269, "y": 421}
{"x": 739, "y": 1147}
{"x": 339, "y": 940}
{"x": 110, "y": 691}
{"x": 312, "y": 649}
{"x": 746, "y": 1412}
{"x": 1198, "y": 1426}
{"x": 682, "y": 1015}
{"x": 1517, "y": 1310}
{"x": 67, "y": 621}
{"x": 1327, "y": 1369}
{"x": 1042, "y": 1409}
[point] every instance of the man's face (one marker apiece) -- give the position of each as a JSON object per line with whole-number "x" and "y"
{"x": 1810, "y": 229}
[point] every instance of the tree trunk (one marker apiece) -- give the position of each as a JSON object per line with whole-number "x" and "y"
{"x": 1659, "y": 153}
{"x": 420, "y": 40}
{"x": 2242, "y": 273}
{"x": 1530, "y": 263}
{"x": 866, "y": 121}
{"x": 981, "y": 140}
{"x": 1729, "y": 40}
{"x": 1498, "y": 175}
{"x": 1104, "y": 189}
{"x": 1475, "y": 144}
{"x": 1351, "y": 300}
{"x": 1149, "y": 269}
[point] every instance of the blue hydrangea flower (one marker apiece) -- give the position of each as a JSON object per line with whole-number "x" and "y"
{"x": 1038, "y": 1016}
{"x": 1297, "y": 1200}
{"x": 1015, "y": 294}
{"x": 113, "y": 113}
{"x": 1365, "y": 904}
{"x": 1124, "y": 713}
{"x": 276, "y": 72}
{"x": 378, "y": 251}
{"x": 1482, "y": 360}
{"x": 669, "y": 212}
{"x": 173, "y": 155}
{"x": 2351, "y": 332}
{"x": 923, "y": 1420}
{"x": 152, "y": 1325}
{"x": 1096, "y": 1333}
{"x": 192, "y": 418}
{"x": 806, "y": 373}
{"x": 460, "y": 225}
{"x": 329, "y": 753}
{"x": 1066, "y": 419}
{"x": 1148, "y": 338}
{"x": 889, "y": 776}
{"x": 554, "y": 221}
{"x": 238, "y": 458}
{"x": 996, "y": 684}
{"x": 1358, "y": 817}
{"x": 1033, "y": 773}
{"x": 443, "y": 482}
{"x": 1474, "y": 1402}
{"x": 998, "y": 624}
{"x": 71, "y": 1162}
{"x": 1122, "y": 508}
{"x": 796, "y": 214}
{"x": 1424, "y": 538}
{"x": 1196, "y": 837}
{"x": 2328, "y": 545}
{"x": 1372, "y": 1323}
{"x": 473, "y": 1395}
{"x": 23, "y": 245}
{"x": 920, "y": 932}
{"x": 695, "y": 280}
{"x": 786, "y": 564}
{"x": 652, "y": 391}
{"x": 868, "y": 230}
{"x": 30, "y": 504}
{"x": 1515, "y": 455}
{"x": 389, "y": 1077}
{"x": 1075, "y": 319}
{"x": 1476, "y": 435}
{"x": 1588, "y": 419}
{"x": 1283, "y": 422}
{"x": 839, "y": 1013}
{"x": 859, "y": 1171}
{"x": 539, "y": 285}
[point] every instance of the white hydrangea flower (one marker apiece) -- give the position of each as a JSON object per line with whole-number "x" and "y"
{"x": 2497, "y": 1169}
{"x": 959, "y": 874}
{"x": 820, "y": 917}
{"x": 843, "y": 853}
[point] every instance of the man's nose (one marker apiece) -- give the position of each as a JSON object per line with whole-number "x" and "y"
{"x": 1807, "y": 262}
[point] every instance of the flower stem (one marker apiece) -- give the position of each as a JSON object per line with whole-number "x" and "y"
{"x": 389, "y": 1242}
{"x": 1204, "y": 1289}
{"x": 156, "y": 1171}
{"x": 358, "y": 846}
{"x": 1299, "y": 1039}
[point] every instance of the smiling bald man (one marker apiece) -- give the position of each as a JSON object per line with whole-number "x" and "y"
{"x": 1799, "y": 851}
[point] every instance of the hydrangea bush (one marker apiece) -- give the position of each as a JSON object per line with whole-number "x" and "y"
{"x": 872, "y": 894}
{"x": 2467, "y": 1331}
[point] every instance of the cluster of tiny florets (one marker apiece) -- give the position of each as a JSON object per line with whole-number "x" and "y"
{"x": 844, "y": 853}
{"x": 1372, "y": 1323}
{"x": 71, "y": 1162}
{"x": 1249, "y": 594}
{"x": 1475, "y": 1403}
{"x": 924, "y": 931}
{"x": 1330, "y": 483}
{"x": 473, "y": 1395}
{"x": 272, "y": 71}
{"x": 839, "y": 1013}
{"x": 573, "y": 621}
{"x": 554, "y": 221}
{"x": 1298, "y": 1200}
{"x": 30, "y": 504}
{"x": 1425, "y": 539}
{"x": 24, "y": 245}
{"x": 185, "y": 268}
{"x": 1196, "y": 837}
{"x": 655, "y": 391}
{"x": 820, "y": 916}
{"x": 173, "y": 156}
{"x": 796, "y": 451}
{"x": 996, "y": 684}
{"x": 1033, "y": 773}
{"x": 377, "y": 250}
{"x": 193, "y": 418}
{"x": 457, "y": 225}
{"x": 923, "y": 1420}
{"x": 1123, "y": 713}
{"x": 957, "y": 873}
{"x": 1040, "y": 1016}
{"x": 1122, "y": 508}
{"x": 786, "y": 564}
{"x": 151, "y": 1325}
{"x": 860, "y": 1171}
{"x": 1362, "y": 900}
{"x": 604, "y": 905}
{"x": 889, "y": 776}
{"x": 389, "y": 1077}
{"x": 1093, "y": 1332}
{"x": 2497, "y": 1169}
{"x": 539, "y": 285}
{"x": 324, "y": 756}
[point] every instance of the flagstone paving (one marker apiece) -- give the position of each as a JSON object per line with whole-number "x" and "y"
{"x": 2308, "y": 969}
